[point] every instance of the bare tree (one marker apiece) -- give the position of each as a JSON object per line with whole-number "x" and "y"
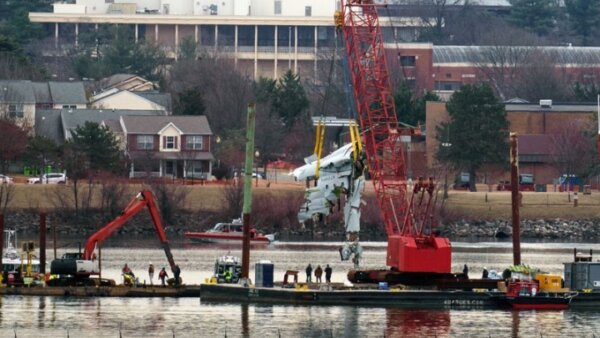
{"x": 13, "y": 141}
{"x": 573, "y": 150}
{"x": 233, "y": 198}
{"x": 226, "y": 92}
{"x": 170, "y": 198}
{"x": 113, "y": 192}
{"x": 501, "y": 66}
{"x": 7, "y": 193}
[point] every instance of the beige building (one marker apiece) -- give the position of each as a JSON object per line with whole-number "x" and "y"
{"x": 263, "y": 37}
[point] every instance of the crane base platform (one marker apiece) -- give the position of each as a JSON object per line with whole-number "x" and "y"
{"x": 393, "y": 277}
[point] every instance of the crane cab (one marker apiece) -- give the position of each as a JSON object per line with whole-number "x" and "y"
{"x": 73, "y": 264}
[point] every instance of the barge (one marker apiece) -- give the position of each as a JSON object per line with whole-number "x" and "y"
{"x": 233, "y": 293}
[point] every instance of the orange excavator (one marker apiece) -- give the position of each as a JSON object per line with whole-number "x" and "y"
{"x": 76, "y": 268}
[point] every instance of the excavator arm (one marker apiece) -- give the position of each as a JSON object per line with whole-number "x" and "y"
{"x": 143, "y": 199}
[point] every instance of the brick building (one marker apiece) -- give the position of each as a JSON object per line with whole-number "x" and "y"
{"x": 535, "y": 125}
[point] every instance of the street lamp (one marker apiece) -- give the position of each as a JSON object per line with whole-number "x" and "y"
{"x": 446, "y": 145}
{"x": 218, "y": 142}
{"x": 256, "y": 154}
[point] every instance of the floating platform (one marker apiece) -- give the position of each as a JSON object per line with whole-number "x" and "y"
{"x": 368, "y": 297}
{"x": 104, "y": 291}
{"x": 356, "y": 296}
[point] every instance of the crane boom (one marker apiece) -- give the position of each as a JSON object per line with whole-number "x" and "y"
{"x": 410, "y": 248}
{"x": 143, "y": 199}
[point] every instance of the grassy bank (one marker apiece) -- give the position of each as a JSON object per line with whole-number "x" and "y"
{"x": 479, "y": 205}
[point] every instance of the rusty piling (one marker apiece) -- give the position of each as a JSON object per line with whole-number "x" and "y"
{"x": 514, "y": 182}
{"x": 43, "y": 242}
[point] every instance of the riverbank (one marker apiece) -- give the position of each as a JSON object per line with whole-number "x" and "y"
{"x": 464, "y": 215}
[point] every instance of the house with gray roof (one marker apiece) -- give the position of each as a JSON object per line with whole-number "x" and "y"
{"x": 21, "y": 99}
{"x": 68, "y": 95}
{"x": 174, "y": 146}
{"x": 58, "y": 124}
{"x": 73, "y": 118}
{"x": 17, "y": 101}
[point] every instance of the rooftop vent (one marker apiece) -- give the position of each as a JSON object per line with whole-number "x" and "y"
{"x": 546, "y": 103}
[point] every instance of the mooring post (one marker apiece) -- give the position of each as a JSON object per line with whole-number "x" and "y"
{"x": 514, "y": 184}
{"x": 99, "y": 264}
{"x": 54, "y": 239}
{"x": 43, "y": 242}
{"x": 2, "y": 244}
{"x": 248, "y": 190}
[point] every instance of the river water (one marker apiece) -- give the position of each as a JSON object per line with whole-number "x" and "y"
{"x": 189, "y": 317}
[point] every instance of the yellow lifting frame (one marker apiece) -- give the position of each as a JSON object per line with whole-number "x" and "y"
{"x": 320, "y": 137}
{"x": 355, "y": 139}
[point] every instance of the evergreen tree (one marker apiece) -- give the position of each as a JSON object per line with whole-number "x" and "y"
{"x": 187, "y": 48}
{"x": 584, "y": 17}
{"x": 411, "y": 109}
{"x": 535, "y": 15}
{"x": 190, "y": 102}
{"x": 41, "y": 151}
{"x": 98, "y": 145}
{"x": 290, "y": 100}
{"x": 477, "y": 131}
{"x": 264, "y": 89}
{"x": 121, "y": 55}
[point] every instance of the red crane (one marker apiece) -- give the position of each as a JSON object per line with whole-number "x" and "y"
{"x": 412, "y": 246}
{"x": 83, "y": 265}
{"x": 143, "y": 199}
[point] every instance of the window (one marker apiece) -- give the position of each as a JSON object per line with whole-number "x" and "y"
{"x": 308, "y": 11}
{"x": 69, "y": 106}
{"x": 277, "y": 7}
{"x": 447, "y": 85}
{"x": 170, "y": 142}
{"x": 15, "y": 110}
{"x": 145, "y": 142}
{"x": 407, "y": 60}
{"x": 194, "y": 142}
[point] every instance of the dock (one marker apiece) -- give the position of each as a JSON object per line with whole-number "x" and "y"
{"x": 440, "y": 299}
{"x": 104, "y": 291}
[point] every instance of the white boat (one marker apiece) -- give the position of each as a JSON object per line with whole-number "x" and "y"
{"x": 12, "y": 259}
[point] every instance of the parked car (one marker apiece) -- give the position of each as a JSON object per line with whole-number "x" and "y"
{"x": 569, "y": 182}
{"x": 461, "y": 182}
{"x": 526, "y": 183}
{"x": 5, "y": 179}
{"x": 50, "y": 178}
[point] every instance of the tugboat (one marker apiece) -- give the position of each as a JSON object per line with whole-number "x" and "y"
{"x": 229, "y": 232}
{"x": 524, "y": 295}
{"x": 543, "y": 292}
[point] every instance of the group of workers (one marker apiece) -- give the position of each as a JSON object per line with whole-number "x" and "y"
{"x": 318, "y": 274}
{"x": 129, "y": 277}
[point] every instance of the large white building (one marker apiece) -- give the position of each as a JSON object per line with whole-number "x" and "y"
{"x": 263, "y": 37}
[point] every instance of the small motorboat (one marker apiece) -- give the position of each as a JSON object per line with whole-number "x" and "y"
{"x": 229, "y": 232}
{"x": 524, "y": 295}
